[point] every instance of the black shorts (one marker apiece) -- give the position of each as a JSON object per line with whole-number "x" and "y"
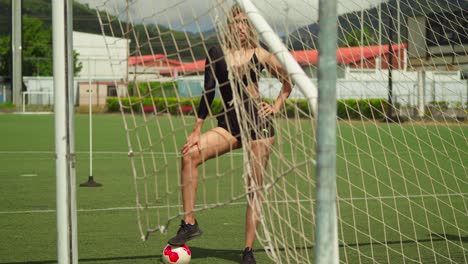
{"x": 259, "y": 127}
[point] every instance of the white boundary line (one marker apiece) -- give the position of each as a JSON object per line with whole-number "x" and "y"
{"x": 79, "y": 152}
{"x": 99, "y": 152}
{"x": 29, "y": 175}
{"x": 234, "y": 203}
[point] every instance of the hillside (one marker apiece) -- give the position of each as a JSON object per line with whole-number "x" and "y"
{"x": 351, "y": 21}
{"x": 86, "y": 20}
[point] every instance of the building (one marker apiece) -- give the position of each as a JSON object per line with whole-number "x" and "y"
{"x": 156, "y": 66}
{"x": 439, "y": 41}
{"x": 96, "y": 93}
{"x": 151, "y": 67}
{"x": 104, "y": 68}
{"x": 360, "y": 59}
{"x": 102, "y": 57}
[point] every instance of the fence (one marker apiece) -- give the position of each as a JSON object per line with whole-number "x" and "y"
{"x": 409, "y": 92}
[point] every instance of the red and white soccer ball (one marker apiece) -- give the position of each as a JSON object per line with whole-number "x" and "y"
{"x": 176, "y": 255}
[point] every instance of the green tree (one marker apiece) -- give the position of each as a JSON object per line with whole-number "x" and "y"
{"x": 36, "y": 48}
{"x": 353, "y": 38}
{"x": 4, "y": 55}
{"x": 78, "y": 64}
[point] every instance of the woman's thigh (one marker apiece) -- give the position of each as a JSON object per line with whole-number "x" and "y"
{"x": 214, "y": 142}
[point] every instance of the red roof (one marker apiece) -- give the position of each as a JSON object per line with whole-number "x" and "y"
{"x": 345, "y": 56}
{"x": 148, "y": 60}
{"x": 197, "y": 66}
{"x": 184, "y": 68}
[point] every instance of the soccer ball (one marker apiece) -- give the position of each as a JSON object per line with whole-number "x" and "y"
{"x": 176, "y": 255}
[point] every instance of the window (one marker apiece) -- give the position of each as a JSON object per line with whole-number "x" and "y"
{"x": 111, "y": 91}
{"x": 445, "y": 29}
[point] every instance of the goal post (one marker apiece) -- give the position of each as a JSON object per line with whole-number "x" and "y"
{"x": 67, "y": 241}
{"x": 326, "y": 223}
{"x": 37, "y": 101}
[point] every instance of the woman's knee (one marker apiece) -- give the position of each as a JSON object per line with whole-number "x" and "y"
{"x": 191, "y": 158}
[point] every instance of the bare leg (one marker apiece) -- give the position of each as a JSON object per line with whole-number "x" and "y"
{"x": 260, "y": 153}
{"x": 212, "y": 143}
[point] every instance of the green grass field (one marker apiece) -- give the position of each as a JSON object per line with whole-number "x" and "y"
{"x": 107, "y": 220}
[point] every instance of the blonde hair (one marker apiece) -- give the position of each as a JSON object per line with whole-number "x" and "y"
{"x": 230, "y": 42}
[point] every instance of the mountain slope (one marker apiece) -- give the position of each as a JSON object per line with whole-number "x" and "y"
{"x": 186, "y": 46}
{"x": 352, "y": 21}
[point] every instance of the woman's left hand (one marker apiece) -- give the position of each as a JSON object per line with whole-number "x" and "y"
{"x": 266, "y": 110}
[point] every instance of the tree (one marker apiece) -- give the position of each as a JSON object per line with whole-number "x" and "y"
{"x": 36, "y": 47}
{"x": 353, "y": 38}
{"x": 78, "y": 64}
{"x": 5, "y": 56}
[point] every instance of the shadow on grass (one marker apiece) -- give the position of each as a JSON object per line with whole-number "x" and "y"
{"x": 434, "y": 237}
{"x": 450, "y": 237}
{"x": 229, "y": 255}
{"x": 235, "y": 255}
{"x": 226, "y": 254}
{"x": 156, "y": 257}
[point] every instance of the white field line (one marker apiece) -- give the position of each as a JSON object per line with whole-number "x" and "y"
{"x": 100, "y": 153}
{"x": 83, "y": 152}
{"x": 234, "y": 204}
{"x": 177, "y": 154}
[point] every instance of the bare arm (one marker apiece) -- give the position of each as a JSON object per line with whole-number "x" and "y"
{"x": 276, "y": 70}
{"x": 194, "y": 138}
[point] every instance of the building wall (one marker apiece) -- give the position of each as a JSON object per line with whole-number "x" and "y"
{"x": 41, "y": 89}
{"x": 97, "y": 93}
{"x": 382, "y": 62}
{"x": 438, "y": 86}
{"x": 101, "y": 57}
{"x": 434, "y": 56}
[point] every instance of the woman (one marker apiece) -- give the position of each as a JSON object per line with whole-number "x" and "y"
{"x": 239, "y": 62}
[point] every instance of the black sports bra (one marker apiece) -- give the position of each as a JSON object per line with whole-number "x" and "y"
{"x": 216, "y": 70}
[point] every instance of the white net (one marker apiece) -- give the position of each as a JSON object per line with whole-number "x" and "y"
{"x": 402, "y": 145}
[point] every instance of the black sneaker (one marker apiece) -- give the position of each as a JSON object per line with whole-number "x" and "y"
{"x": 185, "y": 233}
{"x": 248, "y": 257}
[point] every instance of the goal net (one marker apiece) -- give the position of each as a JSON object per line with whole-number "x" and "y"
{"x": 401, "y": 124}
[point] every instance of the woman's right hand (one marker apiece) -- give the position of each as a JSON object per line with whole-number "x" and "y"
{"x": 192, "y": 140}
